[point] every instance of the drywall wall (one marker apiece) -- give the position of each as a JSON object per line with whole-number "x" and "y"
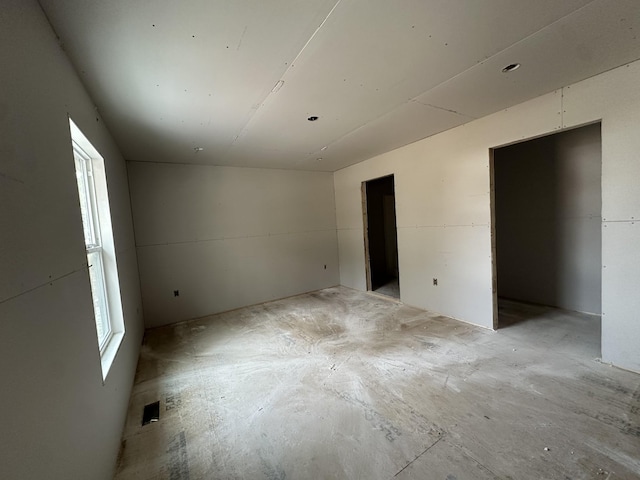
{"x": 444, "y": 216}
{"x": 548, "y": 223}
{"x": 59, "y": 421}
{"x": 226, "y": 237}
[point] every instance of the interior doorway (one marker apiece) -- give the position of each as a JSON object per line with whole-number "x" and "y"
{"x": 546, "y": 220}
{"x": 381, "y": 238}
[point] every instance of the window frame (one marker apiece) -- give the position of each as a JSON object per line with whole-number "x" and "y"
{"x": 93, "y": 246}
{"x": 102, "y": 270}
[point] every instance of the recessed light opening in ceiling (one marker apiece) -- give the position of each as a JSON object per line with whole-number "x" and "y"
{"x": 511, "y": 68}
{"x": 277, "y": 86}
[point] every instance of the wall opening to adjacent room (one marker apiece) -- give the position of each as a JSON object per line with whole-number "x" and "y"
{"x": 546, "y": 215}
{"x": 381, "y": 239}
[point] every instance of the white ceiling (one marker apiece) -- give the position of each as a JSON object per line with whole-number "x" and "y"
{"x": 170, "y": 76}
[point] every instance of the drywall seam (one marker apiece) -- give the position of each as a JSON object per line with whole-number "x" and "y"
{"x": 237, "y": 237}
{"x": 49, "y": 282}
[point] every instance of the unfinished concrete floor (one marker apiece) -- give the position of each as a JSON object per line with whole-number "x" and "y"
{"x": 342, "y": 384}
{"x": 390, "y": 289}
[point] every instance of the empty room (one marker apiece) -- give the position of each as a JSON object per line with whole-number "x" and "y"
{"x": 320, "y": 239}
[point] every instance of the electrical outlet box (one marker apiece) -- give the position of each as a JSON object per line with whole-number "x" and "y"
{"x": 176, "y": 293}
{"x": 435, "y": 282}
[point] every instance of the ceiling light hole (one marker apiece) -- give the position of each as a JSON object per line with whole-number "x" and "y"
{"x": 277, "y": 86}
{"x": 312, "y": 118}
{"x": 511, "y": 68}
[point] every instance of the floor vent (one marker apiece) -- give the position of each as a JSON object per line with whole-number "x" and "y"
{"x": 151, "y": 413}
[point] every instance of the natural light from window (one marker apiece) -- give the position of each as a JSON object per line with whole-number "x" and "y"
{"x": 99, "y": 245}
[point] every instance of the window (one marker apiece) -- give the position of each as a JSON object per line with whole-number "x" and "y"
{"x": 98, "y": 240}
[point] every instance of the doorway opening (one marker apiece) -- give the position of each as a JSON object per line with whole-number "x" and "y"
{"x": 546, "y": 220}
{"x": 381, "y": 237}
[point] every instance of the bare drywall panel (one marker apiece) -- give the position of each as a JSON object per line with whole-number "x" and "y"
{"x": 520, "y": 122}
{"x": 395, "y": 128}
{"x": 25, "y": 178}
{"x": 51, "y": 365}
{"x": 424, "y": 33}
{"x": 49, "y": 358}
{"x": 220, "y": 275}
{"x": 184, "y": 71}
{"x": 174, "y": 203}
{"x": 548, "y": 224}
{"x": 450, "y": 258}
{"x": 352, "y": 259}
{"x": 479, "y": 91}
{"x": 227, "y": 237}
{"x": 442, "y": 187}
{"x": 444, "y": 196}
{"x": 613, "y": 97}
{"x": 620, "y": 299}
{"x": 352, "y": 63}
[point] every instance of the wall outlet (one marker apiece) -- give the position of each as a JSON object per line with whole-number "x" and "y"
{"x": 325, "y": 267}
{"x": 176, "y": 293}
{"x": 435, "y": 282}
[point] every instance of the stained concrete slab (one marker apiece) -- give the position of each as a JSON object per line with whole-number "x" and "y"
{"x": 343, "y": 384}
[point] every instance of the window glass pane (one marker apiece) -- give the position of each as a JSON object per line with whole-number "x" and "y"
{"x": 96, "y": 275}
{"x": 85, "y": 203}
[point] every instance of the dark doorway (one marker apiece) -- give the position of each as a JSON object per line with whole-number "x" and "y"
{"x": 381, "y": 239}
{"x": 547, "y": 224}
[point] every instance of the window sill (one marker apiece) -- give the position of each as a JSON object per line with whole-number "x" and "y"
{"x": 109, "y": 354}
